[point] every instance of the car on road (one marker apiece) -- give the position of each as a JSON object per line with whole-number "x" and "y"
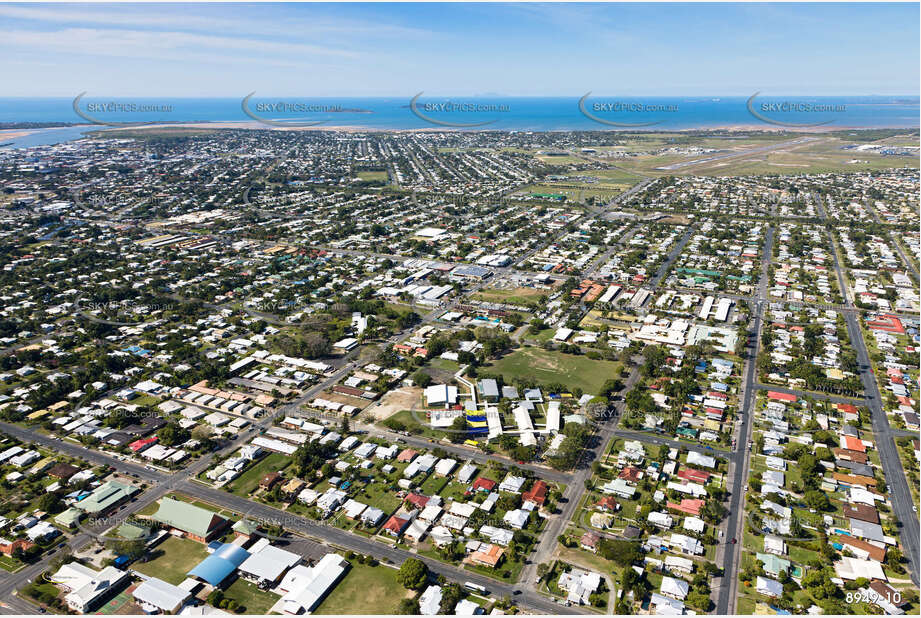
{"x": 516, "y": 592}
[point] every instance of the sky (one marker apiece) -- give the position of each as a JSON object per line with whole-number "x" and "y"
{"x": 350, "y": 50}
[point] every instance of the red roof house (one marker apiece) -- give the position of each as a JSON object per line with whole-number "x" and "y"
{"x": 417, "y": 500}
{"x": 395, "y": 525}
{"x": 689, "y": 506}
{"x": 537, "y": 494}
{"x": 785, "y": 397}
{"x": 484, "y": 484}
{"x": 139, "y": 445}
{"x": 697, "y": 476}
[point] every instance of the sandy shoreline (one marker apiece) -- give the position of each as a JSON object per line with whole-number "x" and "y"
{"x": 253, "y": 125}
{"x": 14, "y": 133}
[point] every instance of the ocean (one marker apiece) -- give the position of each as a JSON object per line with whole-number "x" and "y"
{"x": 479, "y": 113}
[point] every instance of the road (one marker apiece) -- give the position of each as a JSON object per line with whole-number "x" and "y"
{"x": 165, "y": 482}
{"x": 739, "y": 460}
{"x": 899, "y": 493}
{"x": 573, "y": 494}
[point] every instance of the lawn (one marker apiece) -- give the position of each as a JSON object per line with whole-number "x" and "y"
{"x": 511, "y": 296}
{"x": 550, "y": 366}
{"x": 365, "y": 590}
{"x": 433, "y": 485}
{"x": 414, "y": 422}
{"x": 368, "y": 175}
{"x": 378, "y": 494}
{"x": 252, "y": 599}
{"x": 173, "y": 558}
{"x": 10, "y": 564}
{"x": 244, "y": 484}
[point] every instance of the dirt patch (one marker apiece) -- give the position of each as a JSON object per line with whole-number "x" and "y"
{"x": 403, "y": 398}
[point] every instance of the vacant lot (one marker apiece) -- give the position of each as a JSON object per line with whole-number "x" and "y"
{"x": 365, "y": 590}
{"x": 548, "y": 366}
{"x": 512, "y": 296}
{"x": 393, "y": 401}
{"x": 244, "y": 484}
{"x": 373, "y": 175}
{"x": 172, "y": 559}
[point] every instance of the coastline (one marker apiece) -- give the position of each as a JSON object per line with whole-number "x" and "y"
{"x": 253, "y": 125}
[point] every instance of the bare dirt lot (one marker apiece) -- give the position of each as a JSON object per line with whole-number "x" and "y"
{"x": 392, "y": 402}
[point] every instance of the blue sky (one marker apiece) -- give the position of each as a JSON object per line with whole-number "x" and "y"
{"x": 334, "y": 50}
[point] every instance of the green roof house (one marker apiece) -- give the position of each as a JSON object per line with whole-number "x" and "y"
{"x": 246, "y": 527}
{"x": 105, "y": 497}
{"x": 69, "y": 518}
{"x": 132, "y": 531}
{"x": 197, "y": 523}
{"x": 773, "y": 565}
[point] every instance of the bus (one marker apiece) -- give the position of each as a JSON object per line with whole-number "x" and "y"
{"x": 474, "y": 587}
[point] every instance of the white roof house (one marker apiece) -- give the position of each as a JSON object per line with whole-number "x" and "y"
{"x": 677, "y": 563}
{"x": 268, "y": 564}
{"x": 466, "y": 473}
{"x": 302, "y": 587}
{"x": 86, "y": 586}
{"x": 445, "y": 466}
{"x": 675, "y": 588}
{"x": 774, "y": 545}
{"x": 698, "y": 459}
{"x": 157, "y": 595}
{"x": 517, "y": 518}
{"x": 466, "y": 607}
{"x": 768, "y": 587}
{"x": 579, "y": 584}
{"x": 854, "y": 568}
{"x": 440, "y": 394}
{"x": 662, "y": 520}
{"x": 694, "y": 524}
{"x": 512, "y": 484}
{"x": 430, "y": 601}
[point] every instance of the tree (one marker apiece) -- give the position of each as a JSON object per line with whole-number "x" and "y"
{"x": 458, "y": 431}
{"x": 698, "y": 600}
{"x": 421, "y": 379}
{"x": 315, "y": 345}
{"x": 134, "y": 549}
{"x": 624, "y": 553}
{"x": 172, "y": 434}
{"x": 413, "y": 574}
{"x": 408, "y": 607}
{"x": 817, "y": 500}
{"x": 49, "y": 502}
